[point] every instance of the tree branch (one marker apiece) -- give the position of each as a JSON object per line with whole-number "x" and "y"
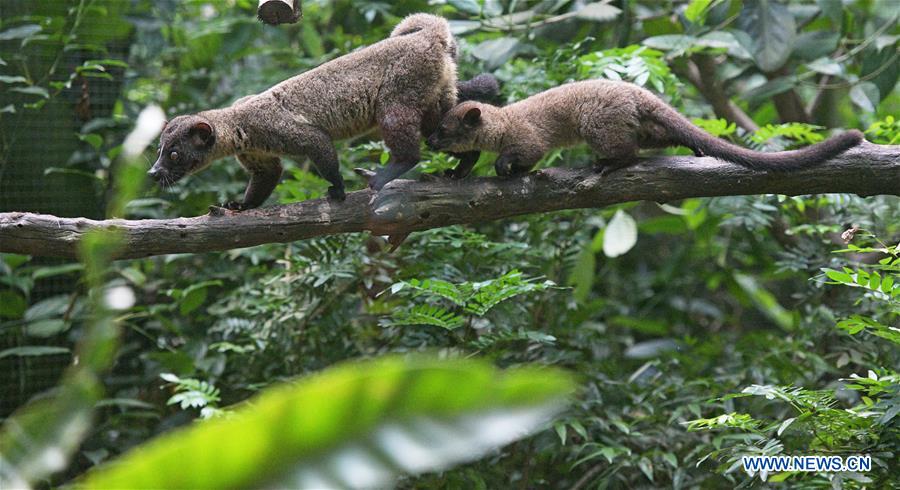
{"x": 274, "y": 12}
{"x": 788, "y": 104}
{"x": 405, "y": 206}
{"x": 701, "y": 71}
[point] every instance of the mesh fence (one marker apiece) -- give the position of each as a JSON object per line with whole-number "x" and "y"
{"x": 45, "y": 162}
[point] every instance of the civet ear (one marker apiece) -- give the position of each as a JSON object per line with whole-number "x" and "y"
{"x": 472, "y": 117}
{"x": 202, "y": 133}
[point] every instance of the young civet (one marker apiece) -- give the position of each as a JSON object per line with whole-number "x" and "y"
{"x": 615, "y": 118}
{"x": 402, "y": 85}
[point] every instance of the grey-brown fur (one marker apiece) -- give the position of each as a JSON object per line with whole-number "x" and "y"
{"x": 616, "y": 119}
{"x": 403, "y": 85}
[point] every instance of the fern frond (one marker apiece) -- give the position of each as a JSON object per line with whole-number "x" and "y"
{"x": 489, "y": 294}
{"x": 426, "y": 315}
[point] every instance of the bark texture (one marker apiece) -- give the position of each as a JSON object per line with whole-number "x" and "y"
{"x": 275, "y": 12}
{"x": 405, "y": 206}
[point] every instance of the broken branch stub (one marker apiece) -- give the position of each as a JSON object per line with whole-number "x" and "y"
{"x": 275, "y": 12}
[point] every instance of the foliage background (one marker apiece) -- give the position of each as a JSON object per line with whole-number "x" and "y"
{"x": 722, "y": 307}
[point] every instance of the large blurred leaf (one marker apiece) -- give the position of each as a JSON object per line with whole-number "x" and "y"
{"x": 771, "y": 29}
{"x": 353, "y": 426}
{"x": 38, "y": 440}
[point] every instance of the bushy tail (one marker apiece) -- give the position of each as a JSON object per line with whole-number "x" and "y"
{"x": 483, "y": 88}
{"x": 685, "y": 133}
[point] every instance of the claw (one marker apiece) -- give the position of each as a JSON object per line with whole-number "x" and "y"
{"x": 503, "y": 168}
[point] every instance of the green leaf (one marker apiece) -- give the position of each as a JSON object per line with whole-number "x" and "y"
{"x": 9, "y": 79}
{"x": 134, "y": 276}
{"x": 195, "y": 295}
{"x": 813, "y": 45}
{"x": 56, "y": 270}
{"x": 696, "y": 11}
{"x": 866, "y": 96}
{"x": 833, "y": 9}
{"x": 880, "y": 67}
{"x": 427, "y": 315}
{"x": 729, "y": 420}
{"x": 620, "y": 235}
{"x": 677, "y": 43}
{"x": 719, "y": 40}
{"x": 784, "y": 425}
{"x": 12, "y": 304}
{"x": 434, "y": 287}
{"x": 841, "y": 277}
{"x": 46, "y": 328}
{"x": 95, "y": 140}
{"x": 716, "y": 127}
{"x": 107, "y": 62}
{"x": 496, "y": 52}
{"x": 561, "y": 432}
{"x": 771, "y": 88}
{"x": 858, "y": 323}
{"x": 646, "y": 467}
{"x": 765, "y": 301}
{"x": 490, "y": 293}
{"x": 803, "y": 133}
{"x": 32, "y": 90}
{"x": 192, "y": 300}
{"x": 467, "y": 6}
{"x": 50, "y": 307}
{"x": 20, "y": 32}
{"x": 826, "y": 66}
{"x": 598, "y": 12}
{"x": 354, "y": 426}
{"x": 771, "y": 29}
{"x": 582, "y": 275}
{"x": 33, "y": 350}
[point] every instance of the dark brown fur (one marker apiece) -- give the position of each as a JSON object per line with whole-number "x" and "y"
{"x": 615, "y": 118}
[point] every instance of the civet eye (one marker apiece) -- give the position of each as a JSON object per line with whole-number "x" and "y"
{"x": 173, "y": 155}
